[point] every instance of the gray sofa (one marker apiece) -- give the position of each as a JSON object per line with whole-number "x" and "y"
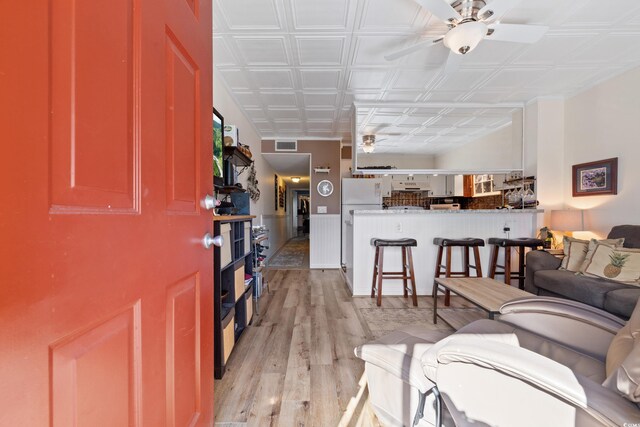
{"x": 544, "y": 278}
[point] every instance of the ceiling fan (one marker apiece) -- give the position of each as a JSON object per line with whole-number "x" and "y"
{"x": 470, "y": 22}
{"x": 369, "y": 143}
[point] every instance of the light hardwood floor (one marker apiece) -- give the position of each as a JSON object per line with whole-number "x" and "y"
{"x": 294, "y": 366}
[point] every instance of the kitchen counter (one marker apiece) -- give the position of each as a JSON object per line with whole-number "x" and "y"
{"x": 392, "y": 211}
{"x": 424, "y": 226}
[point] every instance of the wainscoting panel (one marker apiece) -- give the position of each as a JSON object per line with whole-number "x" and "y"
{"x": 324, "y": 249}
{"x": 423, "y": 227}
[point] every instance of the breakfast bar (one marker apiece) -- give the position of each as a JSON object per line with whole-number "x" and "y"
{"x": 424, "y": 226}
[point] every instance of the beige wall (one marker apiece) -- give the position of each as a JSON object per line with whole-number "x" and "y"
{"x": 601, "y": 123}
{"x": 398, "y": 161}
{"x": 501, "y": 149}
{"x": 596, "y": 124}
{"x": 323, "y": 153}
{"x": 264, "y": 207}
{"x": 544, "y": 153}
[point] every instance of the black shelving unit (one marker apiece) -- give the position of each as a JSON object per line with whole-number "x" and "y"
{"x": 233, "y": 294}
{"x": 237, "y": 158}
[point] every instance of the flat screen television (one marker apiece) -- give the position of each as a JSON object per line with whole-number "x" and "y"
{"x": 218, "y": 170}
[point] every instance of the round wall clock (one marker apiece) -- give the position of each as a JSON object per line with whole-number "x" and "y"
{"x": 325, "y": 188}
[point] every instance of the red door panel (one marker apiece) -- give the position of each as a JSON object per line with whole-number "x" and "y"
{"x": 106, "y": 293}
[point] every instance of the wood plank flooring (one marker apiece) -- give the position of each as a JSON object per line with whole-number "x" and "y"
{"x": 294, "y": 366}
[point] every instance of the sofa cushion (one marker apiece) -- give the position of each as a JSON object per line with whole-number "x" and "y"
{"x": 622, "y": 301}
{"x": 623, "y": 359}
{"x": 586, "y": 289}
{"x": 619, "y": 264}
{"x": 631, "y": 234}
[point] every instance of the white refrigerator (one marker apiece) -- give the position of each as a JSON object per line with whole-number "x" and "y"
{"x": 358, "y": 194}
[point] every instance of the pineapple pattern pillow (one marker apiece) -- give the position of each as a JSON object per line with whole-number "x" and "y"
{"x": 619, "y": 264}
{"x": 616, "y": 243}
{"x": 578, "y": 252}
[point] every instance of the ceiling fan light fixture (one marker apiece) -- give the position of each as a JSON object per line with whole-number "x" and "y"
{"x": 465, "y": 37}
{"x": 368, "y": 139}
{"x": 368, "y": 148}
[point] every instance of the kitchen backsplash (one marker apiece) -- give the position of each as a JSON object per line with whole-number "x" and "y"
{"x": 399, "y": 198}
{"x": 486, "y": 202}
{"x": 407, "y": 199}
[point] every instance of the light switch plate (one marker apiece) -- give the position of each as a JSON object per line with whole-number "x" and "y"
{"x": 322, "y": 209}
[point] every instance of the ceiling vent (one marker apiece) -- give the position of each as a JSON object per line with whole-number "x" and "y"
{"x": 286, "y": 145}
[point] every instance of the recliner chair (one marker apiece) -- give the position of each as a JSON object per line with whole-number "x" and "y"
{"x": 545, "y": 361}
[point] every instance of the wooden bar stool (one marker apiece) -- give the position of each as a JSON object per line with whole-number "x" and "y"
{"x": 445, "y": 268}
{"x": 508, "y": 244}
{"x": 379, "y": 273}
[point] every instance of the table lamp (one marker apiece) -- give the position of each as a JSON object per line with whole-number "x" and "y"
{"x": 567, "y": 220}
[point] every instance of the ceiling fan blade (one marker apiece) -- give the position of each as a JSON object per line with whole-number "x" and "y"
{"x": 413, "y": 48}
{"x": 440, "y": 9}
{"x": 496, "y": 9}
{"x": 453, "y": 63}
{"x": 516, "y": 33}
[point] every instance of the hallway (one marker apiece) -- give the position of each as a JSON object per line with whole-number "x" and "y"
{"x": 293, "y": 255}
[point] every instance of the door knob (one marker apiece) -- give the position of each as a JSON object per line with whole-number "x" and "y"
{"x": 209, "y": 202}
{"x": 208, "y": 241}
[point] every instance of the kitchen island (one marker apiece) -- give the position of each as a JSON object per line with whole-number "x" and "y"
{"x": 424, "y": 225}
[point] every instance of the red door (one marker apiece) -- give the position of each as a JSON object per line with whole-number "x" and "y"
{"x": 106, "y": 291}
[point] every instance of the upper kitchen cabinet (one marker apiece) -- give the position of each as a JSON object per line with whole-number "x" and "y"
{"x": 443, "y": 139}
{"x": 447, "y": 186}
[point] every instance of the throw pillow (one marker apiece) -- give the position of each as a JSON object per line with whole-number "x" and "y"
{"x": 577, "y": 251}
{"x": 623, "y": 359}
{"x": 616, "y": 243}
{"x": 619, "y": 264}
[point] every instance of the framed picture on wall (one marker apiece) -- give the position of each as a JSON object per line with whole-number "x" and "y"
{"x": 218, "y": 126}
{"x": 275, "y": 189}
{"x": 595, "y": 178}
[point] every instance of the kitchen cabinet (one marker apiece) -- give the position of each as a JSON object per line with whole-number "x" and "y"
{"x": 446, "y": 186}
{"x": 438, "y": 185}
{"x": 483, "y": 186}
{"x": 386, "y": 186}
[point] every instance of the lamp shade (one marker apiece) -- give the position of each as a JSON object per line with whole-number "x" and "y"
{"x": 465, "y": 37}
{"x": 567, "y": 220}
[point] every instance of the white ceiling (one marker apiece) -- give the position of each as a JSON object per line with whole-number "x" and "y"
{"x": 297, "y": 66}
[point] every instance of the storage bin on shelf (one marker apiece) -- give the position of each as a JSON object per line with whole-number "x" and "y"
{"x": 228, "y": 334}
{"x": 238, "y": 281}
{"x": 225, "y": 250}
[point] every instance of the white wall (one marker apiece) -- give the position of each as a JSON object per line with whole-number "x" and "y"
{"x": 601, "y": 123}
{"x": 399, "y": 161}
{"x": 501, "y": 149}
{"x": 263, "y": 209}
{"x": 596, "y": 124}
{"x": 544, "y": 156}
